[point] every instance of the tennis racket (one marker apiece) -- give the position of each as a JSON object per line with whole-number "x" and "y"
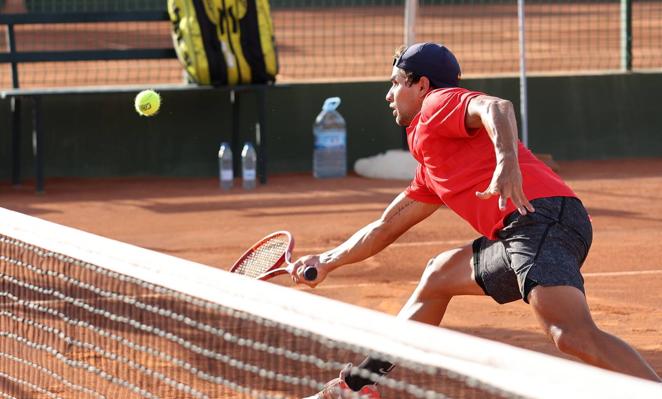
{"x": 265, "y": 259}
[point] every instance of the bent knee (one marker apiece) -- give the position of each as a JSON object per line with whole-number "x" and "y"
{"x": 447, "y": 274}
{"x": 575, "y": 341}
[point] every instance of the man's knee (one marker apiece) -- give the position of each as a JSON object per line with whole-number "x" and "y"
{"x": 444, "y": 274}
{"x": 577, "y": 341}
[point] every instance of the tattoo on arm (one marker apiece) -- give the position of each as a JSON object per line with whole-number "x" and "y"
{"x": 393, "y": 213}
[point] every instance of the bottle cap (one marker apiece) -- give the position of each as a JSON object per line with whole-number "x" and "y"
{"x": 331, "y": 103}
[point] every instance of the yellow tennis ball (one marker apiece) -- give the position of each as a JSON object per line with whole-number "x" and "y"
{"x": 148, "y": 102}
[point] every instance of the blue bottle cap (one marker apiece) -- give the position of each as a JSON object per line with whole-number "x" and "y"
{"x": 331, "y": 103}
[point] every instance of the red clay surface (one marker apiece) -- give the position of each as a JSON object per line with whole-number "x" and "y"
{"x": 193, "y": 219}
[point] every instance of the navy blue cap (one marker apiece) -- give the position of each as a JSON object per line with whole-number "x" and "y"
{"x": 434, "y": 61}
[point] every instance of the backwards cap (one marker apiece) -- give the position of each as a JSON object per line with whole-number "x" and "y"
{"x": 434, "y": 61}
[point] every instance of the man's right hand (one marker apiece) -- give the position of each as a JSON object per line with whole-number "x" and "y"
{"x": 302, "y": 264}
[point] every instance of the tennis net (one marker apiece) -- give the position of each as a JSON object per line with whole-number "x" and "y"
{"x": 84, "y": 316}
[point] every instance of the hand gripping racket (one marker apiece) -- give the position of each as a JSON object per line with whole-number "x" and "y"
{"x": 264, "y": 259}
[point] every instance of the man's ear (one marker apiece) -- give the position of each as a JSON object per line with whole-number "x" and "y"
{"x": 424, "y": 86}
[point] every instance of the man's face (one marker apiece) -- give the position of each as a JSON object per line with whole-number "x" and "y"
{"x": 405, "y": 101}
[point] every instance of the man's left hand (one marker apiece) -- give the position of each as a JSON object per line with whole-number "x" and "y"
{"x": 507, "y": 183}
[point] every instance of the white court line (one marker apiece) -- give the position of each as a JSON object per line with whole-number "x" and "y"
{"x": 440, "y": 243}
{"x": 615, "y": 274}
{"x": 412, "y": 282}
{"x": 457, "y": 242}
{"x": 399, "y": 245}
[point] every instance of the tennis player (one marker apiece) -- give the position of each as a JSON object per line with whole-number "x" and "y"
{"x": 535, "y": 231}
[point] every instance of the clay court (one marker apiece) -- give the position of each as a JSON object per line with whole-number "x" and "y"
{"x": 194, "y": 220}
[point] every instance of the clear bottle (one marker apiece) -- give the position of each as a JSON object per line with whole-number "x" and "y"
{"x": 225, "y": 172}
{"x": 330, "y": 152}
{"x": 248, "y": 166}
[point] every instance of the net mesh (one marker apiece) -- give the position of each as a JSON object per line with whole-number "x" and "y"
{"x": 147, "y": 325}
{"x": 90, "y": 37}
{"x": 263, "y": 256}
{"x": 355, "y": 39}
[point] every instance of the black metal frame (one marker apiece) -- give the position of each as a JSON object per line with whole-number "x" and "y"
{"x": 16, "y": 95}
{"x": 15, "y": 57}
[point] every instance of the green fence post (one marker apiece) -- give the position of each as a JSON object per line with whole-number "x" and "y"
{"x": 626, "y": 35}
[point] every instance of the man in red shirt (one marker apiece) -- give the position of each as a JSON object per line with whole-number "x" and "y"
{"x": 536, "y": 234}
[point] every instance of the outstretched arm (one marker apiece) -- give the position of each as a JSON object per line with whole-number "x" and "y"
{"x": 399, "y": 216}
{"x": 498, "y": 117}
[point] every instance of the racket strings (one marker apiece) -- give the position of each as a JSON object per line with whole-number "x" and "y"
{"x": 264, "y": 256}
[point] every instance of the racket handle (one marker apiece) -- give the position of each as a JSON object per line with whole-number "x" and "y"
{"x": 310, "y": 273}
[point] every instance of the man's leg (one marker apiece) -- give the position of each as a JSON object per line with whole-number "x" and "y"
{"x": 446, "y": 275}
{"x": 564, "y": 315}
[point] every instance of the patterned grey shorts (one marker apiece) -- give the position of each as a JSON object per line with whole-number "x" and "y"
{"x": 547, "y": 248}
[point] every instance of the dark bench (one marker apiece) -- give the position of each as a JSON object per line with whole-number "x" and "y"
{"x": 18, "y": 95}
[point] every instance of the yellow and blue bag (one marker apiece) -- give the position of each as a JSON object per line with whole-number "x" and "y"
{"x": 224, "y": 42}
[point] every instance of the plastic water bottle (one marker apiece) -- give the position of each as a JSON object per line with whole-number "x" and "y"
{"x": 225, "y": 172}
{"x": 248, "y": 166}
{"x": 330, "y": 154}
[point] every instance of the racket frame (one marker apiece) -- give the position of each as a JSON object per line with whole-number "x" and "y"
{"x": 275, "y": 269}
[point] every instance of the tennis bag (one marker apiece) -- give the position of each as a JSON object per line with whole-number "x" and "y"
{"x": 224, "y": 42}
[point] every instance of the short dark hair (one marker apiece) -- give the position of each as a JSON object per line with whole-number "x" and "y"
{"x": 410, "y": 77}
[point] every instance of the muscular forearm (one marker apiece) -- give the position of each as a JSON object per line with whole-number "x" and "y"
{"x": 499, "y": 121}
{"x": 498, "y": 118}
{"x": 398, "y": 217}
{"x": 366, "y": 242}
